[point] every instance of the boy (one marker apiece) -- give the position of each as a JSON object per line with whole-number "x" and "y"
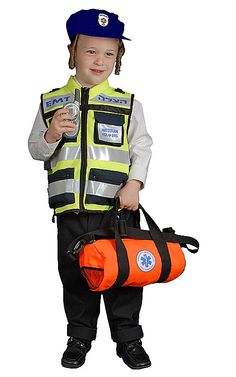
{"x": 91, "y": 158}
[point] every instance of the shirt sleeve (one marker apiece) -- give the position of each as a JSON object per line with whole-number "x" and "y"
{"x": 140, "y": 143}
{"x": 38, "y": 147}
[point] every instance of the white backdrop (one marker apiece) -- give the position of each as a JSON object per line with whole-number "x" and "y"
{"x": 181, "y": 65}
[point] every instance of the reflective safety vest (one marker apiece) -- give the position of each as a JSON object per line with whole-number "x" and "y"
{"x": 86, "y": 171}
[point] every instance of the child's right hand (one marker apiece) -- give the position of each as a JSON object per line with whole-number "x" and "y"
{"x": 61, "y": 123}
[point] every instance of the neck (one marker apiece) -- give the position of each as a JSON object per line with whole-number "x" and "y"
{"x": 81, "y": 83}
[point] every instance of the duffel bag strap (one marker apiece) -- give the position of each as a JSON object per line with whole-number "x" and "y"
{"x": 172, "y": 237}
{"x": 160, "y": 239}
{"x": 184, "y": 241}
{"x": 122, "y": 256}
{"x": 168, "y": 235}
{"x": 79, "y": 242}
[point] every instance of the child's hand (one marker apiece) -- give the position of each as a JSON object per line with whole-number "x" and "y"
{"x": 129, "y": 195}
{"x": 61, "y": 123}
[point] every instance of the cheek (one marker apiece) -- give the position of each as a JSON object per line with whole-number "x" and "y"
{"x": 111, "y": 63}
{"x": 83, "y": 61}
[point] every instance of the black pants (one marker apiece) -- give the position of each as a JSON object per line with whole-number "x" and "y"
{"x": 82, "y": 306}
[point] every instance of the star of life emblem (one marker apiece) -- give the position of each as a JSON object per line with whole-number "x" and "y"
{"x": 103, "y": 19}
{"x": 145, "y": 260}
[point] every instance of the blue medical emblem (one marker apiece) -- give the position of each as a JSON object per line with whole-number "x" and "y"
{"x": 145, "y": 260}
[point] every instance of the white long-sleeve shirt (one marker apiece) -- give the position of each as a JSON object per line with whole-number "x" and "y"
{"x": 138, "y": 138}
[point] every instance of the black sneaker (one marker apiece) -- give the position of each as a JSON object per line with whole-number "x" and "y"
{"x": 74, "y": 355}
{"x": 133, "y": 354}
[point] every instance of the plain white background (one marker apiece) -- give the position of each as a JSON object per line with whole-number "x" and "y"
{"x": 181, "y": 65}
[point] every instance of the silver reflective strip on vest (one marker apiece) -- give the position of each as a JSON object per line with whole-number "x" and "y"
{"x": 94, "y": 153}
{"x": 65, "y": 154}
{"x": 102, "y": 189}
{"x": 60, "y": 187}
{"x": 108, "y": 154}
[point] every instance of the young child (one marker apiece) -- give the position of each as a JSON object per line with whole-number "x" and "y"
{"x": 91, "y": 158}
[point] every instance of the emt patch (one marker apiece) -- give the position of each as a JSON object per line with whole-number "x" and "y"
{"x": 50, "y": 103}
{"x": 109, "y": 133}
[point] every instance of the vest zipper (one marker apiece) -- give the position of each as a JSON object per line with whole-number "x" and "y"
{"x": 83, "y": 144}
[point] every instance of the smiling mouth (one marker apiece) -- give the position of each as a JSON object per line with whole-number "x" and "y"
{"x": 99, "y": 71}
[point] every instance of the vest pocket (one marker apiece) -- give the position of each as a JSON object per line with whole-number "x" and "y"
{"x": 109, "y": 128}
{"x": 103, "y": 185}
{"x": 61, "y": 188}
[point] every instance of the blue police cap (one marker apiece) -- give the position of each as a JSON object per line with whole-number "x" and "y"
{"x": 96, "y": 23}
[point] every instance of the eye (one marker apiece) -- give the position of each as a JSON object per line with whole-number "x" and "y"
{"x": 91, "y": 52}
{"x": 110, "y": 54}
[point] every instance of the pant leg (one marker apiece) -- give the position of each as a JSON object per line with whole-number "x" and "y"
{"x": 123, "y": 304}
{"x": 82, "y": 306}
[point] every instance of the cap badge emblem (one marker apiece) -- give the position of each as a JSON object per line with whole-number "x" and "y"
{"x": 103, "y": 19}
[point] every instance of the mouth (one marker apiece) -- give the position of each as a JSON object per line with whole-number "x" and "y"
{"x": 97, "y": 71}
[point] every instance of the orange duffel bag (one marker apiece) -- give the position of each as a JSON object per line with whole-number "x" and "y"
{"x": 120, "y": 256}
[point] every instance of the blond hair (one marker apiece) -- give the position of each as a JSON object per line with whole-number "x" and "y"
{"x": 73, "y": 46}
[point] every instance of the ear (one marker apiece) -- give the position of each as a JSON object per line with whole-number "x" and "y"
{"x": 75, "y": 59}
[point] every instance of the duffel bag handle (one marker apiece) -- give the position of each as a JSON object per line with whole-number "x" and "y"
{"x": 153, "y": 227}
{"x": 158, "y": 239}
{"x": 157, "y": 234}
{"x": 155, "y": 231}
{"x": 117, "y": 225}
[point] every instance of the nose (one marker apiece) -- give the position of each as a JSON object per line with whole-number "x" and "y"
{"x": 99, "y": 60}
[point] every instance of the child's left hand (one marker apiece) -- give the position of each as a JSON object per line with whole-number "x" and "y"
{"x": 129, "y": 195}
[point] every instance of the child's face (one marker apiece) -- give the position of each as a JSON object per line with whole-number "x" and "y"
{"x": 95, "y": 59}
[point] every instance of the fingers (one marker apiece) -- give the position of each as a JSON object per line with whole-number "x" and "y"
{"x": 67, "y": 125}
{"x": 63, "y": 114}
{"x": 129, "y": 206}
{"x": 64, "y": 126}
{"x": 62, "y": 122}
{"x": 134, "y": 208}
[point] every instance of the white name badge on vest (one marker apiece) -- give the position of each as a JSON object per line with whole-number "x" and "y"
{"x": 109, "y": 133}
